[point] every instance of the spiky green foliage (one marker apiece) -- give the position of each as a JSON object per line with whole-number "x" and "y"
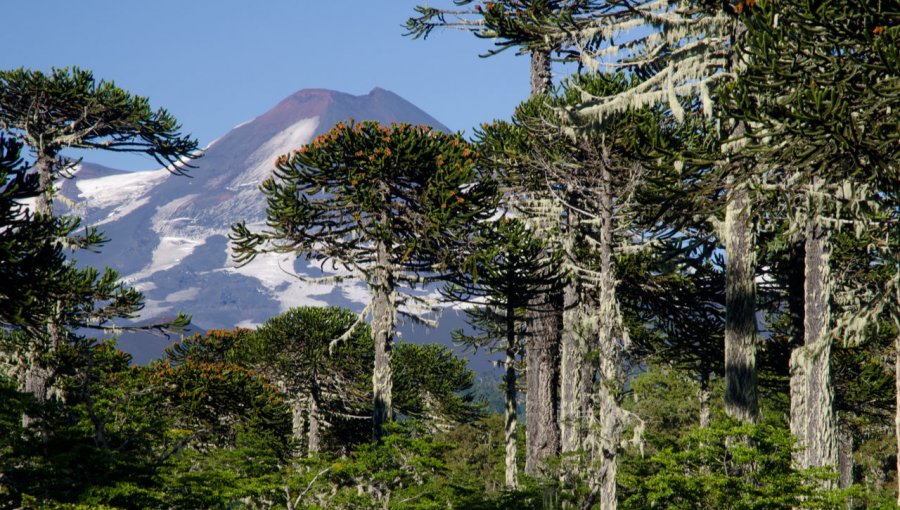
{"x": 711, "y": 467}
{"x": 434, "y": 386}
{"x": 522, "y": 24}
{"x": 388, "y": 204}
{"x": 409, "y": 187}
{"x": 506, "y": 269}
{"x": 31, "y": 259}
{"x": 69, "y": 108}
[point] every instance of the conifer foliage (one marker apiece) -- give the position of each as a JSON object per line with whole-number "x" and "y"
{"x": 385, "y": 203}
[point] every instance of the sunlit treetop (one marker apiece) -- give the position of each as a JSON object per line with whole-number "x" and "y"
{"x": 69, "y": 108}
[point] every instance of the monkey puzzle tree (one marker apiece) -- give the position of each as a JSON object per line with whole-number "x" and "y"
{"x": 68, "y": 108}
{"x": 30, "y": 258}
{"x": 508, "y": 268}
{"x": 386, "y": 204}
{"x": 820, "y": 88}
{"x": 530, "y": 26}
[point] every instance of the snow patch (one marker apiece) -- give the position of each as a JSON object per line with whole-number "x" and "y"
{"x": 168, "y": 254}
{"x": 118, "y": 190}
{"x": 261, "y": 163}
{"x": 274, "y": 271}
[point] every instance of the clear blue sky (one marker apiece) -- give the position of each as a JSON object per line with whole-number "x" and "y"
{"x": 215, "y": 64}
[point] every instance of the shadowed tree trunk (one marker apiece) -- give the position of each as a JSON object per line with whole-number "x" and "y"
{"x": 741, "y": 400}
{"x": 542, "y": 380}
{"x": 845, "y": 457}
{"x": 36, "y": 379}
{"x": 812, "y": 395}
{"x": 542, "y": 345}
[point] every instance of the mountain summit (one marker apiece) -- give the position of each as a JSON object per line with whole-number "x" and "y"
{"x": 168, "y": 234}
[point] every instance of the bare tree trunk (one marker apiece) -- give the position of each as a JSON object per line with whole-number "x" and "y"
{"x": 703, "y": 397}
{"x": 572, "y": 371}
{"x": 741, "y": 400}
{"x": 44, "y": 166}
{"x": 812, "y": 395}
{"x": 314, "y": 437}
{"x": 845, "y": 458}
{"x": 382, "y": 332}
{"x": 512, "y": 469}
{"x": 542, "y": 346}
{"x": 542, "y": 381}
{"x": 298, "y": 418}
{"x": 36, "y": 379}
{"x": 541, "y": 74}
{"x": 611, "y": 346}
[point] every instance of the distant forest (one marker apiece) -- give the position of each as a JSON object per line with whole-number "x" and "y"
{"x": 683, "y": 245}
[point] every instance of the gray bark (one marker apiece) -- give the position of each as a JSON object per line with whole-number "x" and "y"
{"x": 703, "y": 397}
{"x": 542, "y": 382}
{"x": 611, "y": 363}
{"x": 44, "y": 166}
{"x": 314, "y": 436}
{"x": 541, "y": 75}
{"x": 573, "y": 368}
{"x": 845, "y": 459}
{"x": 382, "y": 332}
{"x": 812, "y": 394}
{"x": 512, "y": 470}
{"x": 741, "y": 399}
{"x": 542, "y": 348}
{"x": 36, "y": 377}
{"x": 298, "y": 418}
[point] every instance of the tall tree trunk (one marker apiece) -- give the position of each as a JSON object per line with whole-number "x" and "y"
{"x": 382, "y": 332}
{"x": 845, "y": 458}
{"x": 741, "y": 400}
{"x": 512, "y": 469}
{"x": 542, "y": 381}
{"x": 299, "y": 410}
{"x": 36, "y": 378}
{"x": 542, "y": 346}
{"x": 812, "y": 395}
{"x": 572, "y": 371}
{"x": 611, "y": 344}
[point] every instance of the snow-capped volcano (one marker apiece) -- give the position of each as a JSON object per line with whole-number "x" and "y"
{"x": 168, "y": 233}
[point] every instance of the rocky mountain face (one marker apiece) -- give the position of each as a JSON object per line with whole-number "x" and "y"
{"x": 168, "y": 233}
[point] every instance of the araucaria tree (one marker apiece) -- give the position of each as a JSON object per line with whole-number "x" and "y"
{"x": 819, "y": 92}
{"x": 68, "y": 108}
{"x": 508, "y": 269}
{"x": 386, "y": 204}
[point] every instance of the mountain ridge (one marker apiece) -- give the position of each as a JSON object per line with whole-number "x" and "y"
{"x": 168, "y": 234}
